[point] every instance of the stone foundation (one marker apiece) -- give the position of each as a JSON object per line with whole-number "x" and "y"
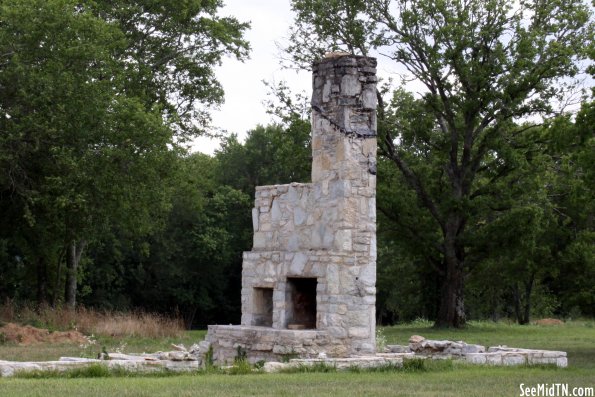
{"x": 263, "y": 343}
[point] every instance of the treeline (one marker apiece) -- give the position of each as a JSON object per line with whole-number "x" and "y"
{"x": 531, "y": 247}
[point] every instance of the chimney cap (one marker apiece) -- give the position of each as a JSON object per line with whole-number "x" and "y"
{"x": 336, "y": 54}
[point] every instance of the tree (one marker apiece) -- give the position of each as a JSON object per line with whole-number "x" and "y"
{"x": 483, "y": 64}
{"x": 273, "y": 154}
{"x": 77, "y": 153}
{"x": 192, "y": 265}
{"x": 170, "y": 52}
{"x": 97, "y": 98}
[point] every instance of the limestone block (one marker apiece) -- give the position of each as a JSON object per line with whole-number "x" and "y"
{"x": 293, "y": 242}
{"x": 332, "y": 279}
{"x": 273, "y": 366}
{"x": 299, "y": 215}
{"x": 255, "y": 219}
{"x": 342, "y": 240}
{"x": 326, "y": 91}
{"x": 275, "y": 211}
{"x": 358, "y": 318}
{"x": 469, "y": 349}
{"x": 369, "y": 99}
{"x": 513, "y": 359}
{"x": 367, "y": 275}
{"x": 260, "y": 240}
{"x": 398, "y": 349}
{"x": 339, "y": 189}
{"x": 298, "y": 263}
{"x": 367, "y": 347}
{"x": 369, "y": 300}
{"x": 350, "y": 85}
{"x": 494, "y": 358}
{"x": 262, "y": 346}
{"x": 476, "y": 358}
{"x": 359, "y": 332}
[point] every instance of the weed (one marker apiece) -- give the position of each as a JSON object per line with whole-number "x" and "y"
{"x": 92, "y": 371}
{"x": 414, "y": 365}
{"x": 380, "y": 340}
{"x": 2, "y": 338}
{"x": 316, "y": 367}
{"x": 89, "y": 321}
{"x": 259, "y": 364}
{"x": 209, "y": 361}
{"x": 240, "y": 367}
{"x": 285, "y": 358}
{"x": 241, "y": 355}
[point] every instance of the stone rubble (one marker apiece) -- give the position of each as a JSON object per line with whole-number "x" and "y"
{"x": 420, "y": 345}
{"x": 192, "y": 359}
{"x": 177, "y": 361}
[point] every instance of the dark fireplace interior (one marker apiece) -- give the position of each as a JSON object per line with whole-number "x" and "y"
{"x": 301, "y": 303}
{"x": 263, "y": 307}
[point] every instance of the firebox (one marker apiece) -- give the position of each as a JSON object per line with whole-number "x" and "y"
{"x": 300, "y": 307}
{"x": 263, "y": 307}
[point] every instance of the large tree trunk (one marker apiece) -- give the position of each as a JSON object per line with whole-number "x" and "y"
{"x": 42, "y": 281}
{"x": 451, "y": 312}
{"x": 522, "y": 303}
{"x": 73, "y": 257}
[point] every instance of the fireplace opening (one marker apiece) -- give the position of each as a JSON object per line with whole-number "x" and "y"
{"x": 263, "y": 307}
{"x": 301, "y": 303}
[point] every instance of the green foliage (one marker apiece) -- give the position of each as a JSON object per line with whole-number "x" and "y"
{"x": 287, "y": 357}
{"x": 171, "y": 51}
{"x": 92, "y": 371}
{"x": 96, "y": 101}
{"x": 314, "y": 368}
{"x": 462, "y": 170}
{"x": 209, "y": 362}
{"x": 271, "y": 155}
{"x": 414, "y": 365}
{"x": 240, "y": 366}
{"x": 241, "y": 355}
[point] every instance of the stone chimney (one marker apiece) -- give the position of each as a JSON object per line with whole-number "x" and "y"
{"x": 309, "y": 283}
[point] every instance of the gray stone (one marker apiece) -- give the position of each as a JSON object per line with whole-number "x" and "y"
{"x": 350, "y": 85}
{"x": 255, "y": 219}
{"x": 275, "y": 211}
{"x": 398, "y": 349}
{"x": 369, "y": 100}
{"x": 299, "y": 216}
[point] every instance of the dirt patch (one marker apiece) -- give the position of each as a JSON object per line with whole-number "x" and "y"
{"x": 549, "y": 321}
{"x": 27, "y": 335}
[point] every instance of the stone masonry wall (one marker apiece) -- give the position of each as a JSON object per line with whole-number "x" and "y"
{"x": 323, "y": 231}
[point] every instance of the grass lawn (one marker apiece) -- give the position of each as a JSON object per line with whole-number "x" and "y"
{"x": 577, "y": 338}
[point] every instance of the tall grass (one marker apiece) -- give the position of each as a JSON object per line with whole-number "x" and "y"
{"x": 91, "y": 321}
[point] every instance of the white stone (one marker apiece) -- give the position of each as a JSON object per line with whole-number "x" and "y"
{"x": 272, "y": 366}
{"x": 299, "y": 215}
{"x": 298, "y": 263}
{"x": 275, "y": 211}
{"x": 350, "y": 85}
{"x": 255, "y": 219}
{"x": 359, "y": 332}
{"x": 260, "y": 240}
{"x": 369, "y": 99}
{"x": 343, "y": 240}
